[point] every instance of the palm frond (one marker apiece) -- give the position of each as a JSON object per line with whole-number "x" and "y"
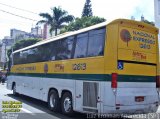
{"x": 66, "y": 19}
{"x": 41, "y": 22}
{"x": 47, "y": 16}
{"x": 58, "y": 13}
{"x": 57, "y": 20}
{"x": 62, "y": 26}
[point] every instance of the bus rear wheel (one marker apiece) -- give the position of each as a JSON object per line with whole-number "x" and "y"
{"x": 53, "y": 101}
{"x": 66, "y": 104}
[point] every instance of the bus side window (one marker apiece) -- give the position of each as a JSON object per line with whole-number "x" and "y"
{"x": 52, "y": 54}
{"x": 96, "y": 42}
{"x": 70, "y": 41}
{"x": 64, "y": 48}
{"x": 16, "y": 57}
{"x": 81, "y": 45}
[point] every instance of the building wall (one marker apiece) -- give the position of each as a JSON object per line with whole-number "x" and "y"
{"x": 7, "y": 42}
{"x": 37, "y": 31}
{"x": 15, "y": 34}
{"x": 157, "y": 17}
{"x": 157, "y": 12}
{"x": 18, "y": 35}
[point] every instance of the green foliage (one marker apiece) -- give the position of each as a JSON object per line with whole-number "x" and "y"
{"x": 83, "y": 22}
{"x": 87, "y": 10}
{"x": 22, "y": 44}
{"x": 56, "y": 20}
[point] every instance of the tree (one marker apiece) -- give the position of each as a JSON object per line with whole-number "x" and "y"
{"x": 83, "y": 22}
{"x": 56, "y": 20}
{"x": 87, "y": 10}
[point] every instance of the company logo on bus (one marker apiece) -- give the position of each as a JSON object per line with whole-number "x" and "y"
{"x": 125, "y": 35}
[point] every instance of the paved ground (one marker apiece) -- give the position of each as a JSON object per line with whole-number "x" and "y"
{"x": 35, "y": 109}
{"x": 31, "y": 108}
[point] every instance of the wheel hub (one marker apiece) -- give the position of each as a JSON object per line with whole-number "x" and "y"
{"x": 52, "y": 101}
{"x": 67, "y": 104}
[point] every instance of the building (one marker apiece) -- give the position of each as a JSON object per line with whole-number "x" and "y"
{"x": 157, "y": 12}
{"x": 17, "y": 34}
{"x": 21, "y": 35}
{"x": 36, "y": 31}
{"x": 157, "y": 16}
{"x": 6, "y": 44}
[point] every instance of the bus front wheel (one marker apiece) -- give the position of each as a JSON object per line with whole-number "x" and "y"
{"x": 53, "y": 101}
{"x": 66, "y": 104}
{"x": 14, "y": 90}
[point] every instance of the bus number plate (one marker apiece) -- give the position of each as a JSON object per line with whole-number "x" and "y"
{"x": 139, "y": 98}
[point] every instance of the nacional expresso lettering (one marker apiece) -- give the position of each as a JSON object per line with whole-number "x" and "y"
{"x": 143, "y": 40}
{"x": 142, "y": 34}
{"x": 146, "y": 39}
{"x": 143, "y": 37}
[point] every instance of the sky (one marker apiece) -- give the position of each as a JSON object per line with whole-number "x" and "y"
{"x": 108, "y": 9}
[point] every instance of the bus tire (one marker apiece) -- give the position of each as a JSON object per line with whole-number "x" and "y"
{"x": 14, "y": 90}
{"x": 53, "y": 101}
{"x": 66, "y": 104}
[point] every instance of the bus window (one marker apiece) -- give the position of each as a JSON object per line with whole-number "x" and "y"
{"x": 16, "y": 58}
{"x": 96, "y": 42}
{"x": 81, "y": 45}
{"x": 70, "y": 41}
{"x": 64, "y": 48}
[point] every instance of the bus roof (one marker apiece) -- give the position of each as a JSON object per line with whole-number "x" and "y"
{"x": 61, "y": 36}
{"x": 151, "y": 27}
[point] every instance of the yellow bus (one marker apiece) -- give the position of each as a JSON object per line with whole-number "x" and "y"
{"x": 106, "y": 68}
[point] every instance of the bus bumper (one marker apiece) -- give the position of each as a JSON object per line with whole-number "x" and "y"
{"x": 136, "y": 109}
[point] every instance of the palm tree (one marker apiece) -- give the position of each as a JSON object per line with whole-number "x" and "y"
{"x": 57, "y": 20}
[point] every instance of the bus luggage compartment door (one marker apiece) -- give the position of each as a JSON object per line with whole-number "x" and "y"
{"x": 91, "y": 96}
